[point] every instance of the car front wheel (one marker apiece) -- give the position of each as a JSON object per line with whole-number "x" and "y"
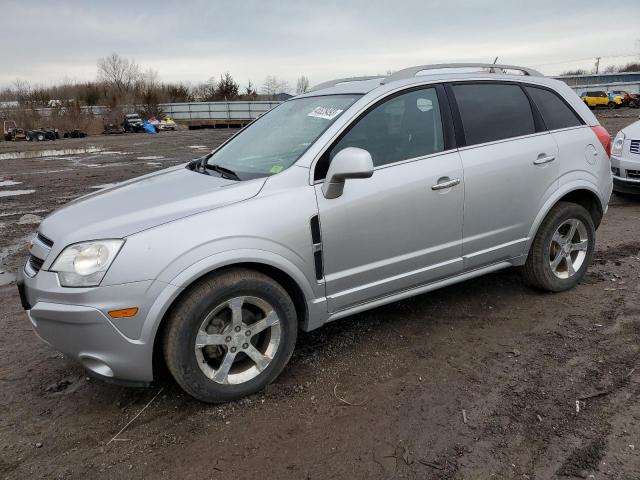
{"x": 230, "y": 335}
{"x": 562, "y": 248}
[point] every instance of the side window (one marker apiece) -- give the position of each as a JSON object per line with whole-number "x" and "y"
{"x": 555, "y": 112}
{"x": 406, "y": 126}
{"x": 493, "y": 111}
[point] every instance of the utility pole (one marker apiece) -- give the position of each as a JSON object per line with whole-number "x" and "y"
{"x": 598, "y": 64}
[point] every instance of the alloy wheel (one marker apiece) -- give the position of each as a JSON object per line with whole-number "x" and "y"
{"x": 568, "y": 248}
{"x": 237, "y": 340}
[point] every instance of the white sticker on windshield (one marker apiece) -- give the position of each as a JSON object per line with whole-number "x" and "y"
{"x": 328, "y": 113}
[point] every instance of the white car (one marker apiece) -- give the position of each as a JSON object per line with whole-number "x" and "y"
{"x": 625, "y": 160}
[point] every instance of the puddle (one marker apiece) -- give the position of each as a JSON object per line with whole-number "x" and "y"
{"x": 151, "y": 157}
{"x": 154, "y": 164}
{"x": 29, "y": 219}
{"x": 12, "y": 214}
{"x": 8, "y": 183}
{"x": 12, "y": 193}
{"x": 112, "y": 153}
{"x": 106, "y": 185}
{"x": 198, "y": 147}
{"x": 6, "y": 278}
{"x": 48, "y": 153}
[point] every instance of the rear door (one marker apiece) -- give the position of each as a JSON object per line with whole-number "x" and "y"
{"x": 577, "y": 147}
{"x": 510, "y": 167}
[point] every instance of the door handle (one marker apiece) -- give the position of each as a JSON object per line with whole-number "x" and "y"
{"x": 542, "y": 159}
{"x": 445, "y": 183}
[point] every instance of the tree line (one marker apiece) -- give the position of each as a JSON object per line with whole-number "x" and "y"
{"x": 629, "y": 67}
{"x": 121, "y": 81}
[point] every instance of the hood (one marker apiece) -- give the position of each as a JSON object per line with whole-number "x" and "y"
{"x": 142, "y": 203}
{"x": 632, "y": 132}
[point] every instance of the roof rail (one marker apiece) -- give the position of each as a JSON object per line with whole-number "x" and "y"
{"x": 337, "y": 81}
{"x": 493, "y": 68}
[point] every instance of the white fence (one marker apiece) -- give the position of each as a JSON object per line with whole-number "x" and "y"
{"x": 223, "y": 111}
{"x": 216, "y": 111}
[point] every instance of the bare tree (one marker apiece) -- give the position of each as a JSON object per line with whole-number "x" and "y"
{"x": 302, "y": 85}
{"x": 273, "y": 86}
{"x": 118, "y": 73}
{"x": 205, "y": 91}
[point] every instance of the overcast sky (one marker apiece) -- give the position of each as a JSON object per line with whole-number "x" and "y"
{"x": 46, "y": 42}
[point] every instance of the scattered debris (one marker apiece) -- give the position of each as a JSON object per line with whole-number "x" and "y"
{"x": 464, "y": 415}
{"x": 335, "y": 394}
{"x": 115, "y": 438}
{"x": 407, "y": 456}
{"x": 592, "y": 395}
{"x": 38, "y": 444}
{"x": 430, "y": 464}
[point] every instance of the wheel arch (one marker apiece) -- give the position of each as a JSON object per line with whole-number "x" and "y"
{"x": 582, "y": 193}
{"x": 298, "y": 295}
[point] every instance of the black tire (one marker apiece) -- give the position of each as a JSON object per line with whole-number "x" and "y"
{"x": 537, "y": 270}
{"x": 187, "y": 316}
{"x": 611, "y": 105}
{"x": 40, "y": 137}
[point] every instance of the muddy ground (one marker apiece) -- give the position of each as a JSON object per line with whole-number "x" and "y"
{"x": 485, "y": 379}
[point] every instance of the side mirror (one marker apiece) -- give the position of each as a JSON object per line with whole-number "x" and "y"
{"x": 350, "y": 162}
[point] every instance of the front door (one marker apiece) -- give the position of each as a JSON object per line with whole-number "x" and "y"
{"x": 403, "y": 226}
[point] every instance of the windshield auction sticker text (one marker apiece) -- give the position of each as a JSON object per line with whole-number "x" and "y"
{"x": 328, "y": 113}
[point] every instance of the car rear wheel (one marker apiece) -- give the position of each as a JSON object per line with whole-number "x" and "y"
{"x": 562, "y": 248}
{"x": 611, "y": 105}
{"x": 230, "y": 335}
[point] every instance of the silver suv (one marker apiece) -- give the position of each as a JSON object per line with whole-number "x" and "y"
{"x": 359, "y": 193}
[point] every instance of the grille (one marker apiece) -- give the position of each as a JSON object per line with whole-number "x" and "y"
{"x": 633, "y": 173}
{"x": 635, "y": 146}
{"x": 35, "y": 263}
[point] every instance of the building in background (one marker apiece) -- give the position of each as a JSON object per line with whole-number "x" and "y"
{"x": 629, "y": 82}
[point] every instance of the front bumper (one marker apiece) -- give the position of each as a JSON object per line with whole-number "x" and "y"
{"x": 75, "y": 322}
{"x": 626, "y": 185}
{"x": 623, "y": 166}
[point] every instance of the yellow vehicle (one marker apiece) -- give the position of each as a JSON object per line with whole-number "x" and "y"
{"x": 600, "y": 98}
{"x": 167, "y": 123}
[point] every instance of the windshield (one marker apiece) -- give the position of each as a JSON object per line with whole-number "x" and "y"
{"x": 277, "y": 139}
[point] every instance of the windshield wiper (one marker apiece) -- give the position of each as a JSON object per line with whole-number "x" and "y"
{"x": 223, "y": 171}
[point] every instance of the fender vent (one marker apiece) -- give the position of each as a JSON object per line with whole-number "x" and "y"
{"x": 316, "y": 239}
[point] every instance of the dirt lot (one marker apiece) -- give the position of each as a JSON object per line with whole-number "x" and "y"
{"x": 485, "y": 379}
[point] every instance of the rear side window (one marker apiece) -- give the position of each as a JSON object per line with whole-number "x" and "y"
{"x": 493, "y": 111}
{"x": 555, "y": 112}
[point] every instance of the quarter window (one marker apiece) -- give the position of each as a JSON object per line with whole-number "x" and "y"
{"x": 493, "y": 111}
{"x": 406, "y": 126}
{"x": 555, "y": 112}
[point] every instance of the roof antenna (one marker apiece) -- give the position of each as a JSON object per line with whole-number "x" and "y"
{"x": 493, "y": 70}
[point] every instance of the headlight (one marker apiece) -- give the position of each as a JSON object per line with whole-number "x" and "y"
{"x": 618, "y": 143}
{"x": 85, "y": 264}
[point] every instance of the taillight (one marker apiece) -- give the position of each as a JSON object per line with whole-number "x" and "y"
{"x": 604, "y": 137}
